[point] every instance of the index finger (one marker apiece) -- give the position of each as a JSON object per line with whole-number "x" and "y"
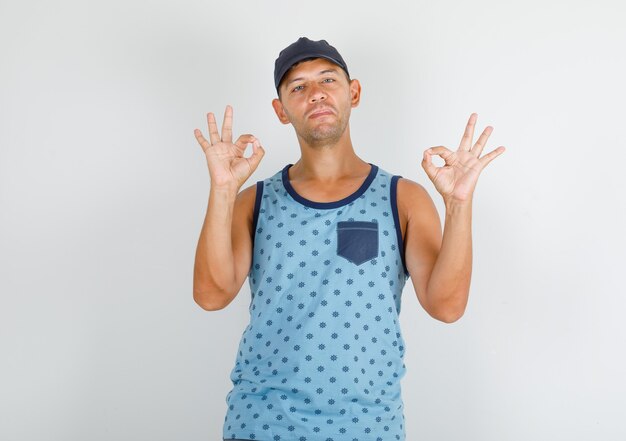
{"x": 227, "y": 127}
{"x": 201, "y": 140}
{"x": 466, "y": 141}
{"x": 214, "y": 135}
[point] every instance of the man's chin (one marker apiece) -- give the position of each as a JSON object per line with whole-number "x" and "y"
{"x": 322, "y": 137}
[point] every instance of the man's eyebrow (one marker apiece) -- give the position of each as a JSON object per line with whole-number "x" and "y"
{"x": 320, "y": 73}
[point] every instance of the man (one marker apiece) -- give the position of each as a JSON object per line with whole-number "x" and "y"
{"x": 328, "y": 244}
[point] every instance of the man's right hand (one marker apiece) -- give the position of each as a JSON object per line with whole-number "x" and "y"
{"x": 227, "y": 166}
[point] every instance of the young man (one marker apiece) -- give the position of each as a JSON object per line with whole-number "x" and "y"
{"x": 328, "y": 244}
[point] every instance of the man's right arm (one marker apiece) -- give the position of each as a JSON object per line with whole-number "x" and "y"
{"x": 224, "y": 251}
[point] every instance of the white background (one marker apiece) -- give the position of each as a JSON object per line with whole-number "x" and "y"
{"x": 103, "y": 191}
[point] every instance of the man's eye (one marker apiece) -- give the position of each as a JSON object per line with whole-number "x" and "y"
{"x": 295, "y": 89}
{"x": 328, "y": 79}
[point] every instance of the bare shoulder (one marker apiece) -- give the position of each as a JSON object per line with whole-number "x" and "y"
{"x": 408, "y": 188}
{"x": 411, "y": 198}
{"x": 244, "y": 206}
{"x": 248, "y": 194}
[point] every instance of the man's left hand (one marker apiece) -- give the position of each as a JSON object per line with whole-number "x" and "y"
{"x": 457, "y": 178}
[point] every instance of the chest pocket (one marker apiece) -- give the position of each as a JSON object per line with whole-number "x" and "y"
{"x": 357, "y": 241}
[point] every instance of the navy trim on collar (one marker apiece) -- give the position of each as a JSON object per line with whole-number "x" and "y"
{"x": 327, "y": 205}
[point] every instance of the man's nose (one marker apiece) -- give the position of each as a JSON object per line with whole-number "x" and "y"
{"x": 316, "y": 93}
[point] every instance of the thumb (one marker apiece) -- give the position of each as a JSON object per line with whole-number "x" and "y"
{"x": 427, "y": 163}
{"x": 257, "y": 155}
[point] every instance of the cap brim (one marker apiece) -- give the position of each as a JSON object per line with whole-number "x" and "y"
{"x": 300, "y": 57}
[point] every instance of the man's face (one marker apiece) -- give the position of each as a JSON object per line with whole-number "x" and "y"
{"x": 316, "y": 98}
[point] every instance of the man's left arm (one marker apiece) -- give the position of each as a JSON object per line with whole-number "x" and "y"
{"x": 449, "y": 283}
{"x": 441, "y": 267}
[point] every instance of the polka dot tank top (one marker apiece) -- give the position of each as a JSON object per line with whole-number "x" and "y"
{"x": 323, "y": 354}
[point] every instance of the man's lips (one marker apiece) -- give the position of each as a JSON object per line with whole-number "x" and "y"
{"x": 321, "y": 112}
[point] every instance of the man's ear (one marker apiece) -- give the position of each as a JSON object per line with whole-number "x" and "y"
{"x": 355, "y": 92}
{"x": 280, "y": 112}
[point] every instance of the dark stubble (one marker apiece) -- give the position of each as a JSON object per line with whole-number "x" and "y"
{"x": 323, "y": 134}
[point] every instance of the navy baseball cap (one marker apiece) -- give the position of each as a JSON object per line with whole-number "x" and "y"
{"x": 302, "y": 50}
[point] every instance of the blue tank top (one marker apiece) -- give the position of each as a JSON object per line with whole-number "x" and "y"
{"x": 323, "y": 354}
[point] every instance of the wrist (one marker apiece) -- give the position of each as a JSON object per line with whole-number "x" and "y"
{"x": 455, "y": 205}
{"x": 225, "y": 186}
{"x": 228, "y": 190}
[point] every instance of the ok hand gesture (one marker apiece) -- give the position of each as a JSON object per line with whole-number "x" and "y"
{"x": 227, "y": 166}
{"x": 456, "y": 180}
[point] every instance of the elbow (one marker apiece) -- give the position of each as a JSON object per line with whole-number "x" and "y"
{"x": 449, "y": 313}
{"x": 444, "y": 304}
{"x": 209, "y": 301}
{"x": 450, "y": 317}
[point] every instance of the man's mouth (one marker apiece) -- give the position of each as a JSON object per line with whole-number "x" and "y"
{"x": 321, "y": 112}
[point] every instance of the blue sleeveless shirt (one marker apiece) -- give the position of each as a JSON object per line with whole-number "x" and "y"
{"x": 323, "y": 354}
